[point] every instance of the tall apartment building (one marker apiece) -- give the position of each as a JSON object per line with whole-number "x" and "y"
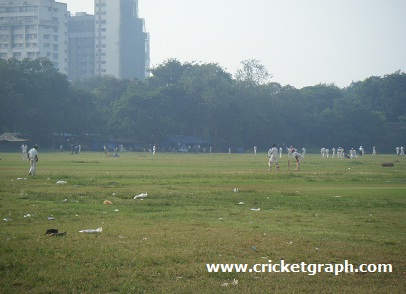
{"x": 122, "y": 45}
{"x": 34, "y": 29}
{"x": 81, "y": 46}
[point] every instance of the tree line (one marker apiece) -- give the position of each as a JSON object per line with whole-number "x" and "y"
{"x": 203, "y": 100}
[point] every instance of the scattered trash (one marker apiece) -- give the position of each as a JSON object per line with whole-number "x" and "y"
{"x": 54, "y": 233}
{"x": 98, "y": 230}
{"x": 61, "y": 182}
{"x": 336, "y": 196}
{"x": 51, "y": 218}
{"x": 142, "y": 195}
{"x": 7, "y": 219}
{"x": 19, "y": 179}
{"x": 235, "y": 189}
{"x": 386, "y": 164}
{"x": 241, "y": 203}
{"x": 114, "y": 194}
{"x": 255, "y": 209}
{"x": 27, "y": 215}
{"x": 234, "y": 282}
{"x": 116, "y": 210}
{"x": 66, "y": 200}
{"x": 51, "y": 231}
{"x": 107, "y": 202}
{"x": 254, "y": 248}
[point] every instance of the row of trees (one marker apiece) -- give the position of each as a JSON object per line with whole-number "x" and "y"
{"x": 206, "y": 101}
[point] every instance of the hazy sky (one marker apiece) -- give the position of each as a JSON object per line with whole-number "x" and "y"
{"x": 300, "y": 42}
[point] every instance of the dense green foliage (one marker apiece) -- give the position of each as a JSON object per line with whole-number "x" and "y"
{"x": 206, "y": 101}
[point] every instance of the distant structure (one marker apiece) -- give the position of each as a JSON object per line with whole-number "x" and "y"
{"x": 111, "y": 42}
{"x": 34, "y": 29}
{"x": 122, "y": 45}
{"x": 81, "y": 46}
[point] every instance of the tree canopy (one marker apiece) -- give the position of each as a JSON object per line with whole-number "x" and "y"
{"x": 203, "y": 100}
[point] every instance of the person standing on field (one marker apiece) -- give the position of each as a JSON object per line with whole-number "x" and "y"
{"x": 273, "y": 157}
{"x": 33, "y": 158}
{"x": 298, "y": 158}
{"x": 24, "y": 152}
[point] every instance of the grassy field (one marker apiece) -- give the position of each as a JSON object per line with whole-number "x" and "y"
{"x": 332, "y": 210}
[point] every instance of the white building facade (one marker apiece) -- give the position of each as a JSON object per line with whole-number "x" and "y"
{"x": 34, "y": 29}
{"x": 122, "y": 45}
{"x": 81, "y": 46}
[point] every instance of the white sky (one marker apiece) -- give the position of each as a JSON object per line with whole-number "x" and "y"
{"x": 300, "y": 42}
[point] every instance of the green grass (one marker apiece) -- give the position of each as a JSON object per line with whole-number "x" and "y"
{"x": 332, "y": 210}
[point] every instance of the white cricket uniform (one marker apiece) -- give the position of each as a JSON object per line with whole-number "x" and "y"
{"x": 273, "y": 157}
{"x": 32, "y": 155}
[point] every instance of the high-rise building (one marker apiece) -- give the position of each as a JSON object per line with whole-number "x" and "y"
{"x": 81, "y": 46}
{"x": 34, "y": 29}
{"x": 122, "y": 44}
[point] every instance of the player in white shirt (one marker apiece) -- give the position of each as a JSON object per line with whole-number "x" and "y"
{"x": 298, "y": 158}
{"x": 273, "y": 157}
{"x": 33, "y": 158}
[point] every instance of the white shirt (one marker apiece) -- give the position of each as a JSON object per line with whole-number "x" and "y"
{"x": 273, "y": 151}
{"x": 32, "y": 153}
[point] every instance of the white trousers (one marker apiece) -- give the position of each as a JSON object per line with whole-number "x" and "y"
{"x": 33, "y": 166}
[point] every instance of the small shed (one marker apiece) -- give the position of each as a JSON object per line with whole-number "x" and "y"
{"x": 11, "y": 137}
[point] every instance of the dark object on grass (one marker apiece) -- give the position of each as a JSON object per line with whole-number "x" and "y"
{"x": 54, "y": 233}
{"x": 57, "y": 234}
{"x": 384, "y": 164}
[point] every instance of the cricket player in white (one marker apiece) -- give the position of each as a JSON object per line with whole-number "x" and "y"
{"x": 273, "y": 157}
{"x": 298, "y": 158}
{"x": 33, "y": 158}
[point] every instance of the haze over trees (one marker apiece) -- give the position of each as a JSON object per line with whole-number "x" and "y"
{"x": 203, "y": 100}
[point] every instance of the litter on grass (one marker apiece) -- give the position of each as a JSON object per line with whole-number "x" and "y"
{"x": 107, "y": 202}
{"x": 61, "y": 182}
{"x": 142, "y": 195}
{"x": 255, "y": 209}
{"x": 54, "y": 233}
{"x": 98, "y": 230}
